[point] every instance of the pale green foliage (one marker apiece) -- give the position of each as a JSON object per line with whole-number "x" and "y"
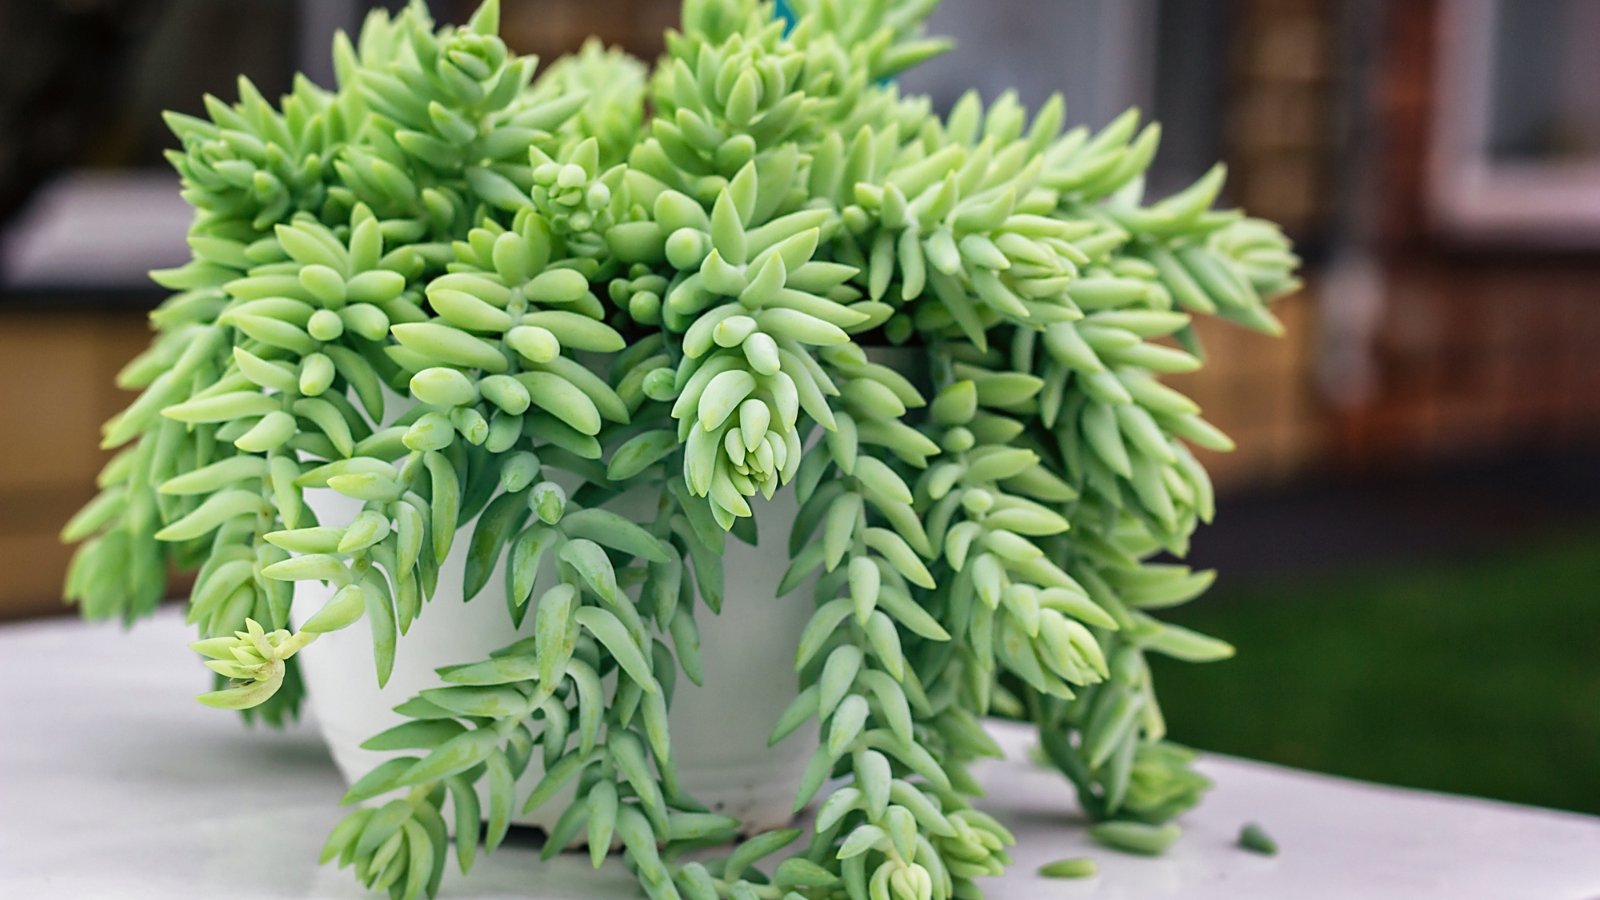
{"x": 253, "y": 660}
{"x": 671, "y": 279}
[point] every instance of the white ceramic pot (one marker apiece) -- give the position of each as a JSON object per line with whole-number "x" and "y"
{"x": 719, "y": 730}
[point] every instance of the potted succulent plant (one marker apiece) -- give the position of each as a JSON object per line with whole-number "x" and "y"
{"x": 453, "y": 330}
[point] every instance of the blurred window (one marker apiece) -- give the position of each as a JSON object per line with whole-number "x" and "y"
{"x": 1546, "y": 96}
{"x": 1516, "y": 144}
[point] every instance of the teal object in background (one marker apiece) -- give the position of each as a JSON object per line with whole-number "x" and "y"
{"x": 781, "y": 10}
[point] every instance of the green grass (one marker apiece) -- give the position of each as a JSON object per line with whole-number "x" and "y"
{"x": 1479, "y": 678}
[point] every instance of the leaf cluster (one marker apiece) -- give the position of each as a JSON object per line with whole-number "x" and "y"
{"x": 756, "y": 266}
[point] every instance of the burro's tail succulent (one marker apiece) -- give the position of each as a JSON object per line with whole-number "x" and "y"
{"x": 680, "y": 278}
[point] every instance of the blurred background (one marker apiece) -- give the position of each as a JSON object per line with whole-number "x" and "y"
{"x": 1410, "y": 530}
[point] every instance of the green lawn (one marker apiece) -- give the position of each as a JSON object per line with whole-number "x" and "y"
{"x": 1480, "y": 677}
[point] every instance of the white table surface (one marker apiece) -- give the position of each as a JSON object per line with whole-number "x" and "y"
{"x": 115, "y": 783}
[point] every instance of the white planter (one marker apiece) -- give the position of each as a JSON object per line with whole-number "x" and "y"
{"x": 719, "y": 731}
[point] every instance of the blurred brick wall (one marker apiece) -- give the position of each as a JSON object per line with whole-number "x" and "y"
{"x": 1278, "y": 112}
{"x": 1261, "y": 391}
{"x": 1279, "y": 129}
{"x": 56, "y": 372}
{"x": 1480, "y": 358}
{"x": 550, "y": 28}
{"x": 1482, "y": 350}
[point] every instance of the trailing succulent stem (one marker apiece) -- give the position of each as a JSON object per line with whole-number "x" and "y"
{"x": 479, "y": 301}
